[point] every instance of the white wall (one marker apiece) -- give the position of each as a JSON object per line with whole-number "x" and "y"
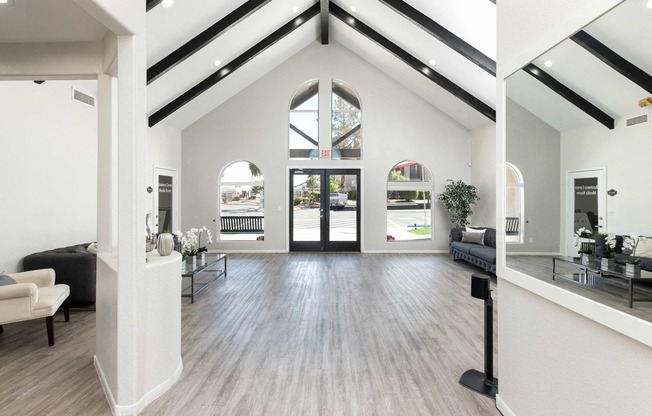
{"x": 483, "y": 174}
{"x": 533, "y": 147}
{"x": 625, "y": 152}
{"x": 560, "y": 353}
{"x": 253, "y": 125}
{"x": 48, "y": 170}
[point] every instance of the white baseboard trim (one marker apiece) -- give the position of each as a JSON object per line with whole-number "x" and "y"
{"x": 406, "y": 251}
{"x": 504, "y": 409}
{"x": 150, "y": 396}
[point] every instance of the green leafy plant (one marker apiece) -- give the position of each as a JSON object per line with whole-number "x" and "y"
{"x": 458, "y": 197}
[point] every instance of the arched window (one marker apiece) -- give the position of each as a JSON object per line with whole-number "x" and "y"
{"x": 242, "y": 202}
{"x": 514, "y": 204}
{"x": 304, "y": 122}
{"x": 346, "y": 123}
{"x": 409, "y": 196}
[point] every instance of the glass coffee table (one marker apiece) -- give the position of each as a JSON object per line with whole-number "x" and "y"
{"x": 593, "y": 275}
{"x": 202, "y": 274}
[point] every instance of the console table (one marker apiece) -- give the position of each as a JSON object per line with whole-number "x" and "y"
{"x": 202, "y": 274}
{"x": 593, "y": 275}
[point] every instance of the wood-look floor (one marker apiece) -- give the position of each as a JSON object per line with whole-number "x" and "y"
{"x": 285, "y": 334}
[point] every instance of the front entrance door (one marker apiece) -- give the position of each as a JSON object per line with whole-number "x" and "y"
{"x": 324, "y": 210}
{"x": 585, "y": 204}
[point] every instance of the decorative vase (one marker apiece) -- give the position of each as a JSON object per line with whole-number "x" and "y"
{"x": 165, "y": 244}
{"x": 191, "y": 260}
{"x": 633, "y": 270}
{"x": 201, "y": 257}
{"x": 585, "y": 259}
{"x": 606, "y": 263}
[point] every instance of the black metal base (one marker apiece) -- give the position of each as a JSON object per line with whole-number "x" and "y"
{"x": 475, "y": 380}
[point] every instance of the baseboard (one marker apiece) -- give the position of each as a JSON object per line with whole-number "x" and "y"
{"x": 532, "y": 254}
{"x": 150, "y": 396}
{"x": 406, "y": 251}
{"x": 502, "y": 407}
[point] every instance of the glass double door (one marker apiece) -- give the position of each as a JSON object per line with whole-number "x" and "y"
{"x": 325, "y": 210}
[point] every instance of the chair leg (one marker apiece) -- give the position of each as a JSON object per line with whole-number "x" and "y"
{"x": 66, "y": 310}
{"x": 50, "y": 326}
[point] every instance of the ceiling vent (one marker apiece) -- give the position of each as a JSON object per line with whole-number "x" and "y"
{"x": 82, "y": 97}
{"x": 645, "y": 118}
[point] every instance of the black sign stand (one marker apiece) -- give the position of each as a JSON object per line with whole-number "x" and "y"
{"x": 483, "y": 383}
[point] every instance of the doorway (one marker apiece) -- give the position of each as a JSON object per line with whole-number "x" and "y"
{"x": 585, "y": 204}
{"x": 325, "y": 210}
{"x": 165, "y": 200}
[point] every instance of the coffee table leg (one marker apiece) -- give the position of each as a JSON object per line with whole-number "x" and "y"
{"x": 631, "y": 292}
{"x": 192, "y": 288}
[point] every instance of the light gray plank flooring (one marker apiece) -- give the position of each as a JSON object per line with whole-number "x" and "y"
{"x": 286, "y": 334}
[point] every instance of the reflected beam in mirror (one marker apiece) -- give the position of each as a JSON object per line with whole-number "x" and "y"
{"x": 324, "y": 22}
{"x": 570, "y": 95}
{"x": 614, "y": 60}
{"x": 442, "y": 34}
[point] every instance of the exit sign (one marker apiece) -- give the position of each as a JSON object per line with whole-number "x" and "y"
{"x": 325, "y": 153}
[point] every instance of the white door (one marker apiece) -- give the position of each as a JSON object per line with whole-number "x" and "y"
{"x": 586, "y": 204}
{"x": 166, "y": 197}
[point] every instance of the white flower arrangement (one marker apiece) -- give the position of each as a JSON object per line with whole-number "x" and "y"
{"x": 631, "y": 242}
{"x": 577, "y": 239}
{"x": 209, "y": 238}
{"x": 190, "y": 242}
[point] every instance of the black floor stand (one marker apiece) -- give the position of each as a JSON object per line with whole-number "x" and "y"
{"x": 483, "y": 383}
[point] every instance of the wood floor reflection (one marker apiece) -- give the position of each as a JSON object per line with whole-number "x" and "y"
{"x": 286, "y": 334}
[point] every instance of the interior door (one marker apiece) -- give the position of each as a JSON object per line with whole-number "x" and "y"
{"x": 165, "y": 206}
{"x": 585, "y": 204}
{"x": 325, "y": 210}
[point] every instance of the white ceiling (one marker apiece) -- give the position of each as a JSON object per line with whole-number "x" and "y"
{"x": 471, "y": 20}
{"x": 626, "y": 29}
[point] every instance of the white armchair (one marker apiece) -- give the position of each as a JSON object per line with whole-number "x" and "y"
{"x": 33, "y": 296}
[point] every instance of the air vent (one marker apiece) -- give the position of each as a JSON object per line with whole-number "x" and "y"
{"x": 637, "y": 120}
{"x": 82, "y": 97}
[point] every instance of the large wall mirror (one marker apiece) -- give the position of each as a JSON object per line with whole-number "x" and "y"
{"x": 579, "y": 134}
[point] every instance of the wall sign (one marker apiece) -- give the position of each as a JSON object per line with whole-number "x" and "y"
{"x": 612, "y": 192}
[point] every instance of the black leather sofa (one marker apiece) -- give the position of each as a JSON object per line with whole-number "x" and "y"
{"x": 73, "y": 266}
{"x": 483, "y": 256}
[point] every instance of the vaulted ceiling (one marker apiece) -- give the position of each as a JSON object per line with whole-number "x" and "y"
{"x": 586, "y": 85}
{"x": 250, "y": 38}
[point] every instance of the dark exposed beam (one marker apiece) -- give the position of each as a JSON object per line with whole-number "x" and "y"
{"x": 305, "y": 95}
{"x": 442, "y": 34}
{"x": 346, "y": 95}
{"x": 150, "y": 4}
{"x": 570, "y": 95}
{"x": 229, "y": 68}
{"x": 615, "y": 61}
{"x": 204, "y": 38}
{"x": 304, "y": 135}
{"x": 347, "y": 135}
{"x": 419, "y": 66}
{"x": 324, "y": 22}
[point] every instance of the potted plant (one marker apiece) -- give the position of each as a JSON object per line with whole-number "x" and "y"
{"x": 609, "y": 249}
{"x": 458, "y": 197}
{"x": 632, "y": 263}
{"x": 585, "y": 250}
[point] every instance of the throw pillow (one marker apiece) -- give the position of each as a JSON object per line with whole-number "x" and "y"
{"x": 474, "y": 237}
{"x": 80, "y": 249}
{"x": 92, "y": 248}
{"x": 644, "y": 247}
{"x": 6, "y": 280}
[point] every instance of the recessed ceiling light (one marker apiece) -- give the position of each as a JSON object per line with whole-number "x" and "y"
{"x": 354, "y": 9}
{"x": 432, "y": 62}
{"x": 217, "y": 63}
{"x": 648, "y": 4}
{"x": 296, "y": 9}
{"x": 167, "y": 3}
{"x": 548, "y": 64}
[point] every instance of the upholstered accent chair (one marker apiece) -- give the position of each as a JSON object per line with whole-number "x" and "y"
{"x": 34, "y": 295}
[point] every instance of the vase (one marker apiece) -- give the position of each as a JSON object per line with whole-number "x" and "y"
{"x": 191, "y": 260}
{"x": 165, "y": 244}
{"x": 585, "y": 259}
{"x": 606, "y": 263}
{"x": 633, "y": 270}
{"x": 201, "y": 257}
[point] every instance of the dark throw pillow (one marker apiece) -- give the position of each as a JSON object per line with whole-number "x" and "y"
{"x": 475, "y": 237}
